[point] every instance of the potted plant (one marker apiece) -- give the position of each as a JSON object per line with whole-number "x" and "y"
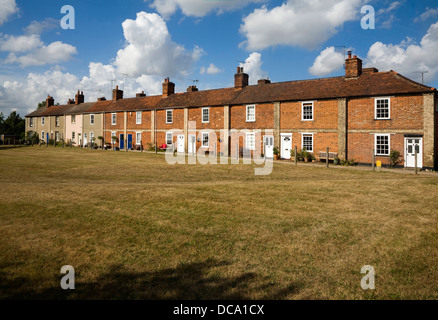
{"x": 305, "y": 155}
{"x": 276, "y": 153}
{"x": 292, "y": 154}
{"x": 336, "y": 160}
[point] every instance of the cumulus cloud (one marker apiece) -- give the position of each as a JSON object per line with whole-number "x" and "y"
{"x": 328, "y": 61}
{"x": 407, "y": 57}
{"x": 39, "y": 27}
{"x": 197, "y": 8}
{"x": 212, "y": 69}
{"x": 430, "y": 13}
{"x": 20, "y": 43}
{"x": 8, "y": 8}
{"x": 151, "y": 51}
{"x": 253, "y": 67}
{"x": 300, "y": 23}
{"x": 55, "y": 52}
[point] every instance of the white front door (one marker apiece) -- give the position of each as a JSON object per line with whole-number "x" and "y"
{"x": 192, "y": 144}
{"x": 181, "y": 144}
{"x": 286, "y": 146}
{"x": 269, "y": 147}
{"x": 412, "y": 145}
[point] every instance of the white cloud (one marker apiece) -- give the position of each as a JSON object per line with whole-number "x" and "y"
{"x": 8, "y": 8}
{"x": 212, "y": 69}
{"x": 55, "y": 52}
{"x": 151, "y": 51}
{"x": 394, "y": 5}
{"x": 19, "y": 44}
{"x": 328, "y": 61}
{"x": 430, "y": 12}
{"x": 306, "y": 24}
{"x": 407, "y": 57}
{"x": 253, "y": 67}
{"x": 197, "y": 8}
{"x": 39, "y": 27}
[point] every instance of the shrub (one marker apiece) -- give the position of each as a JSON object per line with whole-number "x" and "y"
{"x": 276, "y": 151}
{"x": 395, "y": 158}
{"x": 348, "y": 163}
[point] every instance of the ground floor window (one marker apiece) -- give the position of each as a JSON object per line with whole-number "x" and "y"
{"x": 73, "y": 136}
{"x": 113, "y": 135}
{"x": 205, "y": 140}
{"x": 138, "y": 138}
{"x": 57, "y": 136}
{"x": 42, "y": 135}
{"x": 382, "y": 144}
{"x": 169, "y": 138}
{"x": 307, "y": 141}
{"x": 250, "y": 141}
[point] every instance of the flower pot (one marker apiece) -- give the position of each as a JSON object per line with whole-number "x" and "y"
{"x": 276, "y": 157}
{"x": 306, "y": 159}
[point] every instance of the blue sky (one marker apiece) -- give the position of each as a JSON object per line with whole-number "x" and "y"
{"x": 201, "y": 40}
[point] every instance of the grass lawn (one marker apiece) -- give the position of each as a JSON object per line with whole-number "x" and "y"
{"x": 135, "y": 227}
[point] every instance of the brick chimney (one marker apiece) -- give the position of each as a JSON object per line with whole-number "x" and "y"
{"x": 50, "y": 102}
{"x": 101, "y": 99}
{"x": 79, "y": 97}
{"x": 353, "y": 66}
{"x": 192, "y": 89}
{"x": 141, "y": 95}
{"x": 117, "y": 94}
{"x": 168, "y": 88}
{"x": 70, "y": 101}
{"x": 264, "y": 81}
{"x": 241, "y": 79}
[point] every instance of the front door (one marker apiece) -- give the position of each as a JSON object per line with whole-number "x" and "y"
{"x": 192, "y": 144}
{"x": 181, "y": 143}
{"x": 129, "y": 141}
{"x": 122, "y": 141}
{"x": 412, "y": 145}
{"x": 286, "y": 146}
{"x": 269, "y": 147}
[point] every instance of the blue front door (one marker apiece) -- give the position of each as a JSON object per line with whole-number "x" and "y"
{"x": 129, "y": 141}
{"x": 47, "y": 141}
{"x": 122, "y": 141}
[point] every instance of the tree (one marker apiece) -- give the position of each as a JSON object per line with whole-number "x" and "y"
{"x": 14, "y": 125}
{"x": 42, "y": 104}
{"x": 2, "y": 122}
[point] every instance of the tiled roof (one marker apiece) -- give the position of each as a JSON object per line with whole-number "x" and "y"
{"x": 368, "y": 84}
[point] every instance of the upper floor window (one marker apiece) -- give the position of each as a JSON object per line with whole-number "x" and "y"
{"x": 205, "y": 115}
{"x": 43, "y": 121}
{"x": 307, "y": 111}
{"x": 92, "y": 119}
{"x": 250, "y": 113}
{"x": 31, "y": 122}
{"x": 113, "y": 119}
{"x": 73, "y": 119}
{"x": 138, "y": 118}
{"x": 382, "y": 108}
{"x": 169, "y": 116}
{"x": 57, "y": 121}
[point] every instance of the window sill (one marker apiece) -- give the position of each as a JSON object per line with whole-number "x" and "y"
{"x": 382, "y": 119}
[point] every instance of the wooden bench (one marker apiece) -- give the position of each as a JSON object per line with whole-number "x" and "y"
{"x": 322, "y": 155}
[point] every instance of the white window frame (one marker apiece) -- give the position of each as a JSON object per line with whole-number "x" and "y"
{"x": 389, "y": 143}
{"x": 31, "y": 122}
{"x": 247, "y": 144}
{"x": 57, "y": 121}
{"x": 202, "y": 140}
{"x": 389, "y": 108}
{"x": 208, "y": 115}
{"x": 73, "y": 136}
{"x": 113, "y": 134}
{"x": 92, "y": 136}
{"x": 251, "y": 106}
{"x": 137, "y": 121}
{"x": 167, "y": 138}
{"x": 113, "y": 119}
{"x": 42, "y": 135}
{"x": 92, "y": 119}
{"x": 73, "y": 118}
{"x": 167, "y": 117}
{"x": 137, "y": 141}
{"x": 43, "y": 121}
{"x": 57, "y": 136}
{"x": 313, "y": 141}
{"x": 307, "y": 103}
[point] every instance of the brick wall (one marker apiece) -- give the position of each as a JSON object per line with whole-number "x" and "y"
{"x": 264, "y": 117}
{"x": 325, "y": 115}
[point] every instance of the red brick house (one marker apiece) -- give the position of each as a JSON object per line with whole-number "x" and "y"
{"x": 353, "y": 115}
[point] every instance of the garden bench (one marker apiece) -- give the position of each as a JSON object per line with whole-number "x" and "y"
{"x": 322, "y": 155}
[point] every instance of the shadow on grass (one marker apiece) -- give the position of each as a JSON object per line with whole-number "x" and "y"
{"x": 192, "y": 281}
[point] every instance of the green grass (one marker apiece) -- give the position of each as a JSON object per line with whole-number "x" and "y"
{"x": 134, "y": 227}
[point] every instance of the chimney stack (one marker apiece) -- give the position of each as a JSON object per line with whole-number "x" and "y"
{"x": 117, "y": 94}
{"x": 241, "y": 79}
{"x": 79, "y": 98}
{"x": 192, "y": 89}
{"x": 141, "y": 95}
{"x": 101, "y": 99}
{"x": 353, "y": 66}
{"x": 50, "y": 101}
{"x": 168, "y": 88}
{"x": 264, "y": 81}
{"x": 70, "y": 101}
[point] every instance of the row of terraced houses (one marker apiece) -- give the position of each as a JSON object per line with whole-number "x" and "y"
{"x": 363, "y": 112}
